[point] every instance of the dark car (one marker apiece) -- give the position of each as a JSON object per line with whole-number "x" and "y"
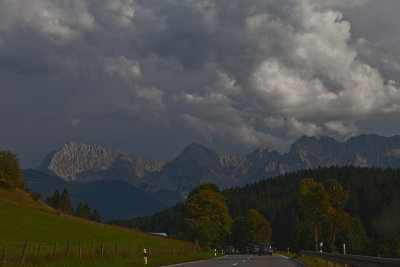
{"x": 230, "y": 250}
{"x": 265, "y": 248}
{"x": 247, "y": 250}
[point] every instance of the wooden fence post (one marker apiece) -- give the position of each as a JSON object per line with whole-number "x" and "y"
{"x": 4, "y": 255}
{"x": 69, "y": 248}
{"x": 39, "y": 249}
{"x": 24, "y": 251}
{"x": 92, "y": 247}
{"x": 80, "y": 251}
{"x": 55, "y": 248}
{"x": 116, "y": 249}
{"x": 102, "y": 249}
{"x": 131, "y": 250}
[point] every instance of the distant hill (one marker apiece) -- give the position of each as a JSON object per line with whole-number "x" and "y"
{"x": 170, "y": 182}
{"x": 112, "y": 198}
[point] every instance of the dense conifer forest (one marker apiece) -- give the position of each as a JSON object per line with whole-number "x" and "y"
{"x": 372, "y": 226}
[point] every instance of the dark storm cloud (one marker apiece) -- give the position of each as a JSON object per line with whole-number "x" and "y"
{"x": 152, "y": 76}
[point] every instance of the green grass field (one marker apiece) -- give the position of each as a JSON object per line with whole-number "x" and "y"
{"x": 22, "y": 219}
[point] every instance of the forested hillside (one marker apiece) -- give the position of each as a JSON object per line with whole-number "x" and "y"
{"x": 373, "y": 227}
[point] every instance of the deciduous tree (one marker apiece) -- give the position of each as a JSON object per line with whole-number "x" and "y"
{"x": 335, "y": 216}
{"x": 250, "y": 230}
{"x": 206, "y": 216}
{"x": 314, "y": 202}
{"x": 10, "y": 172}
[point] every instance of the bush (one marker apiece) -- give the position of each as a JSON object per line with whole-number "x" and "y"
{"x": 36, "y": 196}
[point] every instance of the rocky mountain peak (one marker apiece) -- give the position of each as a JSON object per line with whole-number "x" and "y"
{"x": 72, "y": 159}
{"x": 196, "y": 151}
{"x": 75, "y": 161}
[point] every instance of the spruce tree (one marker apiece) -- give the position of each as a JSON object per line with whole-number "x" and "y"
{"x": 65, "y": 203}
{"x": 80, "y": 211}
{"x": 49, "y": 201}
{"x": 55, "y": 200}
{"x": 95, "y": 216}
{"x": 87, "y": 211}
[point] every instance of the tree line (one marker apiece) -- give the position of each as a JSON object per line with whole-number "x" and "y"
{"x": 11, "y": 176}
{"x": 205, "y": 220}
{"x": 63, "y": 203}
{"x": 360, "y": 206}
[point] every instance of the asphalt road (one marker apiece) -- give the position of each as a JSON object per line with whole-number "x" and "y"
{"x": 242, "y": 261}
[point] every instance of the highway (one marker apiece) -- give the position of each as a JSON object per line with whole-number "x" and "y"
{"x": 242, "y": 261}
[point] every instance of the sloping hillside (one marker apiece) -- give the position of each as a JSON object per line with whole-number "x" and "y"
{"x": 23, "y": 219}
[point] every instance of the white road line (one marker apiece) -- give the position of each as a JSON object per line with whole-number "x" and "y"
{"x": 235, "y": 263}
{"x": 184, "y": 263}
{"x": 292, "y": 261}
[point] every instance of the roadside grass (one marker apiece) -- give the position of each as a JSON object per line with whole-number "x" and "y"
{"x": 23, "y": 219}
{"x": 311, "y": 262}
{"x": 161, "y": 260}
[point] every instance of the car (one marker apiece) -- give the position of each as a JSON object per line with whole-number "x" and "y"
{"x": 265, "y": 248}
{"x": 247, "y": 250}
{"x": 230, "y": 250}
{"x": 256, "y": 249}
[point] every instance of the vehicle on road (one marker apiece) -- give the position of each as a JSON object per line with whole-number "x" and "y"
{"x": 265, "y": 248}
{"x": 256, "y": 249}
{"x": 247, "y": 250}
{"x": 230, "y": 250}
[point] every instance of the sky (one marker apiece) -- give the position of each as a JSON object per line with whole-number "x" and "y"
{"x": 150, "y": 77}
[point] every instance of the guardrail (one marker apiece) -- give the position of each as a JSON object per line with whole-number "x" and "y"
{"x": 356, "y": 260}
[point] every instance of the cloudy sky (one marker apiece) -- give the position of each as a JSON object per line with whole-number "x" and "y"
{"x": 151, "y": 76}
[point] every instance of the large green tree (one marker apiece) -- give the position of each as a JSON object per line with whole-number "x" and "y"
{"x": 258, "y": 228}
{"x": 206, "y": 217}
{"x": 251, "y": 229}
{"x": 314, "y": 202}
{"x": 10, "y": 172}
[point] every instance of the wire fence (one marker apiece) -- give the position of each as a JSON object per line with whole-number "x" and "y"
{"x": 91, "y": 250}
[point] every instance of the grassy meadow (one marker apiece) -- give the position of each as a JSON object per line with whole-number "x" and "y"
{"x": 22, "y": 219}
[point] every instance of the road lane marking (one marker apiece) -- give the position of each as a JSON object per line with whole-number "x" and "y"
{"x": 235, "y": 263}
{"x": 191, "y": 262}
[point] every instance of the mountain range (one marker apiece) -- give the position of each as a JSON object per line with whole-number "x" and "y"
{"x": 88, "y": 171}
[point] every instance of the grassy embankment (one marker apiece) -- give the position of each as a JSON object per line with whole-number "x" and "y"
{"x": 308, "y": 261}
{"x": 22, "y": 219}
